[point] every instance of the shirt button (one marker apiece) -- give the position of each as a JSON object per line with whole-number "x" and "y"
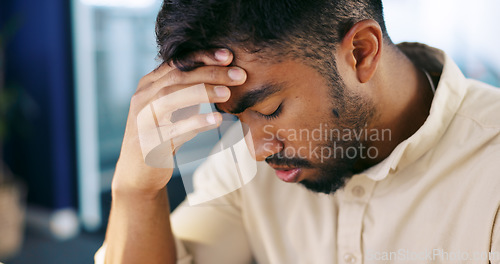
{"x": 349, "y": 258}
{"x": 358, "y": 191}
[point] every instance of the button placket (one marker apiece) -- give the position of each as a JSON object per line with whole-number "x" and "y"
{"x": 349, "y": 258}
{"x": 352, "y": 206}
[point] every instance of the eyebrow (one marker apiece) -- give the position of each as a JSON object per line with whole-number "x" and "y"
{"x": 251, "y": 98}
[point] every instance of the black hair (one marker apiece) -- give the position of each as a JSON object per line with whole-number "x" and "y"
{"x": 305, "y": 29}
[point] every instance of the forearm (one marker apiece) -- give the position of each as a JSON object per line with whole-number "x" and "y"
{"x": 139, "y": 226}
{"x": 139, "y": 229}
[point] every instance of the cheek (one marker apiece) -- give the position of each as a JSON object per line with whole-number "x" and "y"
{"x": 311, "y": 113}
{"x": 307, "y": 124}
{"x": 249, "y": 139}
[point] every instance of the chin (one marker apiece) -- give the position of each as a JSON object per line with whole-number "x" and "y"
{"x": 329, "y": 178}
{"x": 327, "y": 184}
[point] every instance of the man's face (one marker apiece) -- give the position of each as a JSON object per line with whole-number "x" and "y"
{"x": 298, "y": 124}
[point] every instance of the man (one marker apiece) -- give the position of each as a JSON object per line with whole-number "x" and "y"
{"x": 427, "y": 191}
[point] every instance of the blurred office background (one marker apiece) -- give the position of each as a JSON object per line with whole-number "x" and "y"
{"x": 70, "y": 68}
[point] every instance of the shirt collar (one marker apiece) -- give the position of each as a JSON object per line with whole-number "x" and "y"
{"x": 449, "y": 94}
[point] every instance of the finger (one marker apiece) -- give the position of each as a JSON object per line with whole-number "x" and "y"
{"x": 181, "y": 100}
{"x": 161, "y": 141}
{"x": 216, "y": 94}
{"x": 212, "y": 57}
{"x": 216, "y": 75}
{"x": 176, "y": 80}
{"x": 157, "y": 73}
{"x": 220, "y": 57}
{"x": 161, "y": 155}
{"x": 187, "y": 127}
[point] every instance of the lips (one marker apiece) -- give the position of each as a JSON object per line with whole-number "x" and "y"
{"x": 288, "y": 175}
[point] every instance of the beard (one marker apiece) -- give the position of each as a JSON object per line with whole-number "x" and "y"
{"x": 331, "y": 173}
{"x": 348, "y": 112}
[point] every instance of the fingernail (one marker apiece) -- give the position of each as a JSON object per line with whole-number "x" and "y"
{"x": 236, "y": 74}
{"x": 221, "y": 91}
{"x": 222, "y": 55}
{"x": 211, "y": 119}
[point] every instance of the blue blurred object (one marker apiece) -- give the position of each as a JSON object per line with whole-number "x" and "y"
{"x": 38, "y": 59}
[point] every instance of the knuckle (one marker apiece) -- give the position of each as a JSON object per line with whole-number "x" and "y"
{"x": 137, "y": 98}
{"x": 154, "y": 75}
{"x": 213, "y": 74}
{"x": 146, "y": 79}
{"x": 162, "y": 69}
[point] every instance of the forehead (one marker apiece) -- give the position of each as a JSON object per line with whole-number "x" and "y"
{"x": 266, "y": 72}
{"x": 259, "y": 71}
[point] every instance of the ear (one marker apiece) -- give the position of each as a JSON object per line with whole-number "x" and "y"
{"x": 361, "y": 47}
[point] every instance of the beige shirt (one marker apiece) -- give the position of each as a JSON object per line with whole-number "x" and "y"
{"x": 435, "y": 199}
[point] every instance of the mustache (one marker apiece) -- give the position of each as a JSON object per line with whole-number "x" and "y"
{"x": 280, "y": 159}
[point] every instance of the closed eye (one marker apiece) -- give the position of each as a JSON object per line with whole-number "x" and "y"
{"x": 274, "y": 114}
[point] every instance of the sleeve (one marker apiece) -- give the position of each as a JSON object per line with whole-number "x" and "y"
{"x": 208, "y": 226}
{"x": 207, "y": 233}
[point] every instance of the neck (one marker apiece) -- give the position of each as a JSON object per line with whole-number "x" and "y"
{"x": 403, "y": 101}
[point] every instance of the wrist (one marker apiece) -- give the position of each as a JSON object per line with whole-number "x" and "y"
{"x": 136, "y": 186}
{"x": 139, "y": 181}
{"x": 133, "y": 200}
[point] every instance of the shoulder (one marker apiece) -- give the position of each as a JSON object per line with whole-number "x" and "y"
{"x": 481, "y": 104}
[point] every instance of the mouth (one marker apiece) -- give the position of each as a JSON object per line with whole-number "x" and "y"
{"x": 288, "y": 174}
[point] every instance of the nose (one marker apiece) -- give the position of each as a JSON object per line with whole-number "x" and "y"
{"x": 261, "y": 141}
